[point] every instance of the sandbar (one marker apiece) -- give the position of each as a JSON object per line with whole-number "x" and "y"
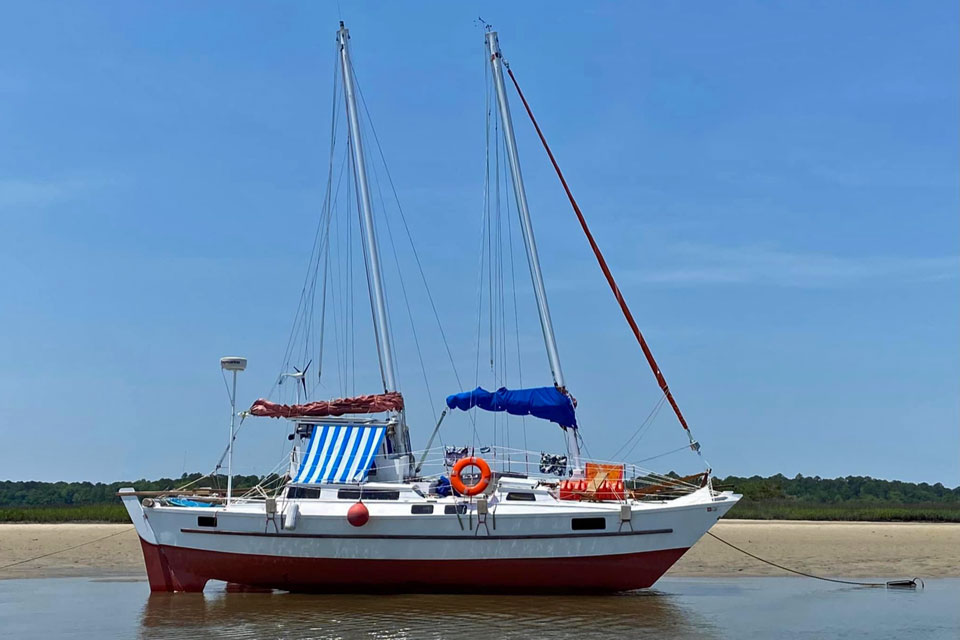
{"x": 835, "y": 549}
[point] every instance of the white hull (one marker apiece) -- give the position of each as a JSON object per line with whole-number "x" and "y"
{"x": 241, "y": 543}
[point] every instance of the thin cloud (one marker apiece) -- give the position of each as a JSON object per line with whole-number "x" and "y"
{"x": 704, "y": 264}
{"x": 43, "y": 193}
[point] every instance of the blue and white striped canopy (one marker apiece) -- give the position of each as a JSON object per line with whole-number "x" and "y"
{"x": 339, "y": 453}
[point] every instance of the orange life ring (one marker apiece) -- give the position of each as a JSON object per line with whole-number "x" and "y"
{"x": 473, "y": 489}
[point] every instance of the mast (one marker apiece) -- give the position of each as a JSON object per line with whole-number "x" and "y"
{"x": 533, "y": 259}
{"x": 371, "y": 252}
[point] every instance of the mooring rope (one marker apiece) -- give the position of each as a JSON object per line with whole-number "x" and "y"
{"x": 53, "y": 553}
{"x": 889, "y": 583}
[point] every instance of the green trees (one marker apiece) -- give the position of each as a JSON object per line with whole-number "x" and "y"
{"x": 850, "y": 498}
{"x": 64, "y": 494}
{"x": 819, "y": 490}
{"x": 776, "y": 497}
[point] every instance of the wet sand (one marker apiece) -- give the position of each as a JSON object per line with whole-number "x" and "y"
{"x": 840, "y": 549}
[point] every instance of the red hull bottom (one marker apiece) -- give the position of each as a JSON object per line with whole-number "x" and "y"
{"x": 179, "y": 569}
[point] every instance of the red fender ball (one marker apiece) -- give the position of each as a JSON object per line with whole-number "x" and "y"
{"x": 358, "y": 514}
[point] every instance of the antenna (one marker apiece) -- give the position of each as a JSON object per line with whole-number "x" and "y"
{"x": 234, "y": 364}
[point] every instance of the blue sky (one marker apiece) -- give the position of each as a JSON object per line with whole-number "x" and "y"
{"x": 774, "y": 184}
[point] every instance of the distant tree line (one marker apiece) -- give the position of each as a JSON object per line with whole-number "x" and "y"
{"x": 64, "y": 494}
{"x": 831, "y": 491}
{"x": 779, "y": 489}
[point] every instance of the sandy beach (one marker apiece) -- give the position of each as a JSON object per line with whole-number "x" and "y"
{"x": 840, "y": 549}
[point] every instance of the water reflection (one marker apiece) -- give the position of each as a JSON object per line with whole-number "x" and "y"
{"x": 284, "y": 615}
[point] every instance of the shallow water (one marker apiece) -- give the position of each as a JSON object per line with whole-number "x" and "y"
{"x": 676, "y": 608}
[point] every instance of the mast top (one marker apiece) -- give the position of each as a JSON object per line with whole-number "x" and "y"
{"x": 378, "y": 302}
{"x": 526, "y": 225}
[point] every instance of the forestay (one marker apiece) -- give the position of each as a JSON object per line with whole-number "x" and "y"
{"x": 339, "y": 453}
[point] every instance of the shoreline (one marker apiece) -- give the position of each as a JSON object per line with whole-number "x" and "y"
{"x": 828, "y": 548}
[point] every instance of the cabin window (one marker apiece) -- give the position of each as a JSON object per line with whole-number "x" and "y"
{"x": 368, "y": 494}
{"x": 303, "y": 493}
{"x": 452, "y": 509}
{"x": 421, "y": 509}
{"x": 588, "y": 524}
{"x": 522, "y": 496}
{"x": 206, "y": 521}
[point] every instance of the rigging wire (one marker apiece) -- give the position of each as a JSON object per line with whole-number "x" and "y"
{"x": 661, "y": 455}
{"x": 406, "y": 300}
{"x": 476, "y": 381}
{"x": 340, "y": 346}
{"x": 329, "y": 203}
{"x": 397, "y": 360}
{"x": 327, "y": 275}
{"x": 516, "y": 312}
{"x": 486, "y": 217}
{"x": 491, "y": 312}
{"x": 406, "y": 227}
{"x": 501, "y": 303}
{"x": 661, "y": 380}
{"x": 366, "y": 271}
{"x": 486, "y": 184}
{"x": 642, "y": 429}
{"x": 371, "y": 167}
{"x": 504, "y": 184}
{"x": 300, "y": 318}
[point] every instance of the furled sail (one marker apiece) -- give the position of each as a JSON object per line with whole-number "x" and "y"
{"x": 391, "y": 401}
{"x": 548, "y": 403}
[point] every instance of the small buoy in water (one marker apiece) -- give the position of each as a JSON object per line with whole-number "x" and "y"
{"x": 358, "y": 514}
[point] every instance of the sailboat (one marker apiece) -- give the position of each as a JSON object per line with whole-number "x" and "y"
{"x": 353, "y": 511}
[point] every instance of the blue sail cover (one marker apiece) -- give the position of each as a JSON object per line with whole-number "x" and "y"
{"x": 548, "y": 403}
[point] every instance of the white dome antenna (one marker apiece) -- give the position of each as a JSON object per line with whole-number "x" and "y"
{"x": 235, "y": 364}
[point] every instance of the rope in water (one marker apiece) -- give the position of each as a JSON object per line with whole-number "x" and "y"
{"x": 53, "y": 553}
{"x": 902, "y": 583}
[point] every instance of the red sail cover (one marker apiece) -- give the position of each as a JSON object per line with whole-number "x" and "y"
{"x": 392, "y": 401}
